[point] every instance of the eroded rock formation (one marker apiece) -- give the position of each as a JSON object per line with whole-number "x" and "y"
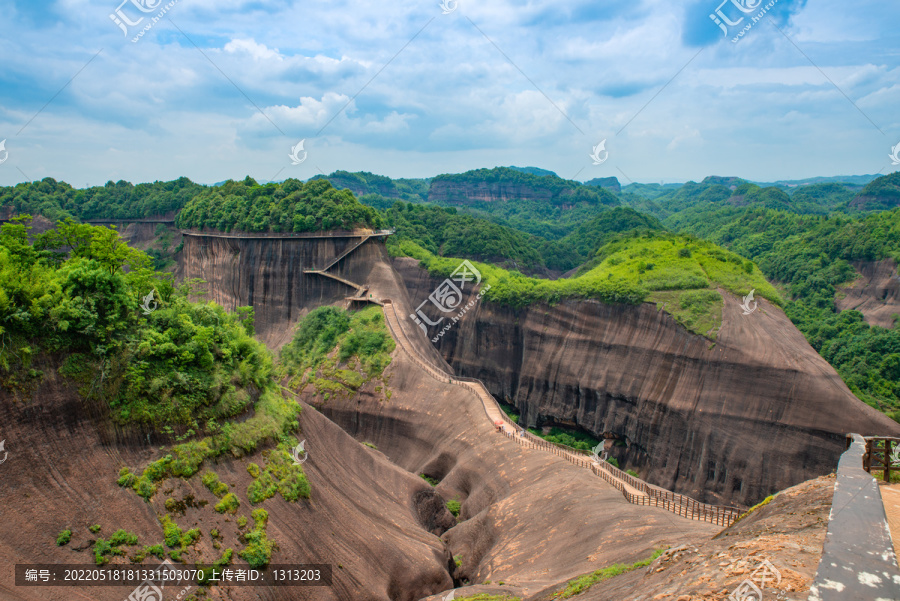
{"x": 728, "y": 423}
{"x": 876, "y": 294}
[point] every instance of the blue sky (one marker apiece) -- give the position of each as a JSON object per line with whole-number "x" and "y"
{"x": 220, "y": 89}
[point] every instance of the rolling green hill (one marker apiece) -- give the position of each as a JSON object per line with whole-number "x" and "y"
{"x": 291, "y": 206}
{"x": 680, "y": 273}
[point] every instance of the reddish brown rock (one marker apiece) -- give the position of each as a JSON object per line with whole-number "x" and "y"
{"x": 727, "y": 423}
{"x": 450, "y": 192}
{"x": 268, "y": 275}
{"x": 875, "y": 294}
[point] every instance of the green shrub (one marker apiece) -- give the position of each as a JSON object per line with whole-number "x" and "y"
{"x": 294, "y": 486}
{"x": 274, "y": 417}
{"x": 156, "y": 550}
{"x": 253, "y": 470}
{"x": 229, "y": 504}
{"x": 121, "y": 537}
{"x": 104, "y": 550}
{"x": 176, "y": 539}
{"x": 211, "y": 481}
{"x": 262, "y": 488}
{"x": 95, "y": 528}
{"x": 613, "y": 461}
{"x": 224, "y": 560}
{"x": 583, "y": 583}
{"x": 144, "y": 488}
{"x": 171, "y": 531}
{"x": 454, "y": 507}
{"x": 64, "y": 537}
{"x": 259, "y": 548}
{"x": 126, "y": 478}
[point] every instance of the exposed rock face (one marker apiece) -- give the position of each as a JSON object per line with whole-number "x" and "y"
{"x": 528, "y": 518}
{"x": 755, "y": 413}
{"x": 608, "y": 183}
{"x": 876, "y": 294}
{"x": 268, "y": 275}
{"x": 441, "y": 191}
{"x": 64, "y": 458}
{"x": 788, "y": 533}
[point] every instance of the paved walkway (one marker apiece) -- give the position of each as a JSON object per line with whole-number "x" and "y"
{"x": 890, "y": 496}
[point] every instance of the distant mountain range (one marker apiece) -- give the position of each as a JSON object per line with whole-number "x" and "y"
{"x": 857, "y": 180}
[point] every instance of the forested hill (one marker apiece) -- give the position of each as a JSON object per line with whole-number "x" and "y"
{"x": 807, "y": 239}
{"x": 363, "y": 183}
{"x": 546, "y": 206}
{"x": 121, "y": 200}
{"x": 882, "y": 193}
{"x": 291, "y": 206}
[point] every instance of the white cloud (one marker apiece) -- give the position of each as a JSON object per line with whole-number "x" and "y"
{"x": 254, "y": 49}
{"x": 448, "y": 101}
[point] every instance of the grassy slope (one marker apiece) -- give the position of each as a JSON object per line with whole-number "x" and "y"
{"x": 338, "y": 352}
{"x": 679, "y": 273}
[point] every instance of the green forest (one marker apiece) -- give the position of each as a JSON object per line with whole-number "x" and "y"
{"x": 291, "y": 206}
{"x": 613, "y": 246}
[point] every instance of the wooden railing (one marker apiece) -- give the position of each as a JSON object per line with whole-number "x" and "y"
{"x": 633, "y": 489}
{"x": 882, "y": 453}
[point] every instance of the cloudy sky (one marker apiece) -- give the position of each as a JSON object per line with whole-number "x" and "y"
{"x": 218, "y": 89}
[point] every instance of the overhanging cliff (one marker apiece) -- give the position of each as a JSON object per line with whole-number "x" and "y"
{"x": 732, "y": 422}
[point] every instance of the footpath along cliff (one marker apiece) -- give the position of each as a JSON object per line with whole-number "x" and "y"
{"x": 728, "y": 423}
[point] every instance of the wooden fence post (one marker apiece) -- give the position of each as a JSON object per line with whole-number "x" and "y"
{"x": 887, "y": 459}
